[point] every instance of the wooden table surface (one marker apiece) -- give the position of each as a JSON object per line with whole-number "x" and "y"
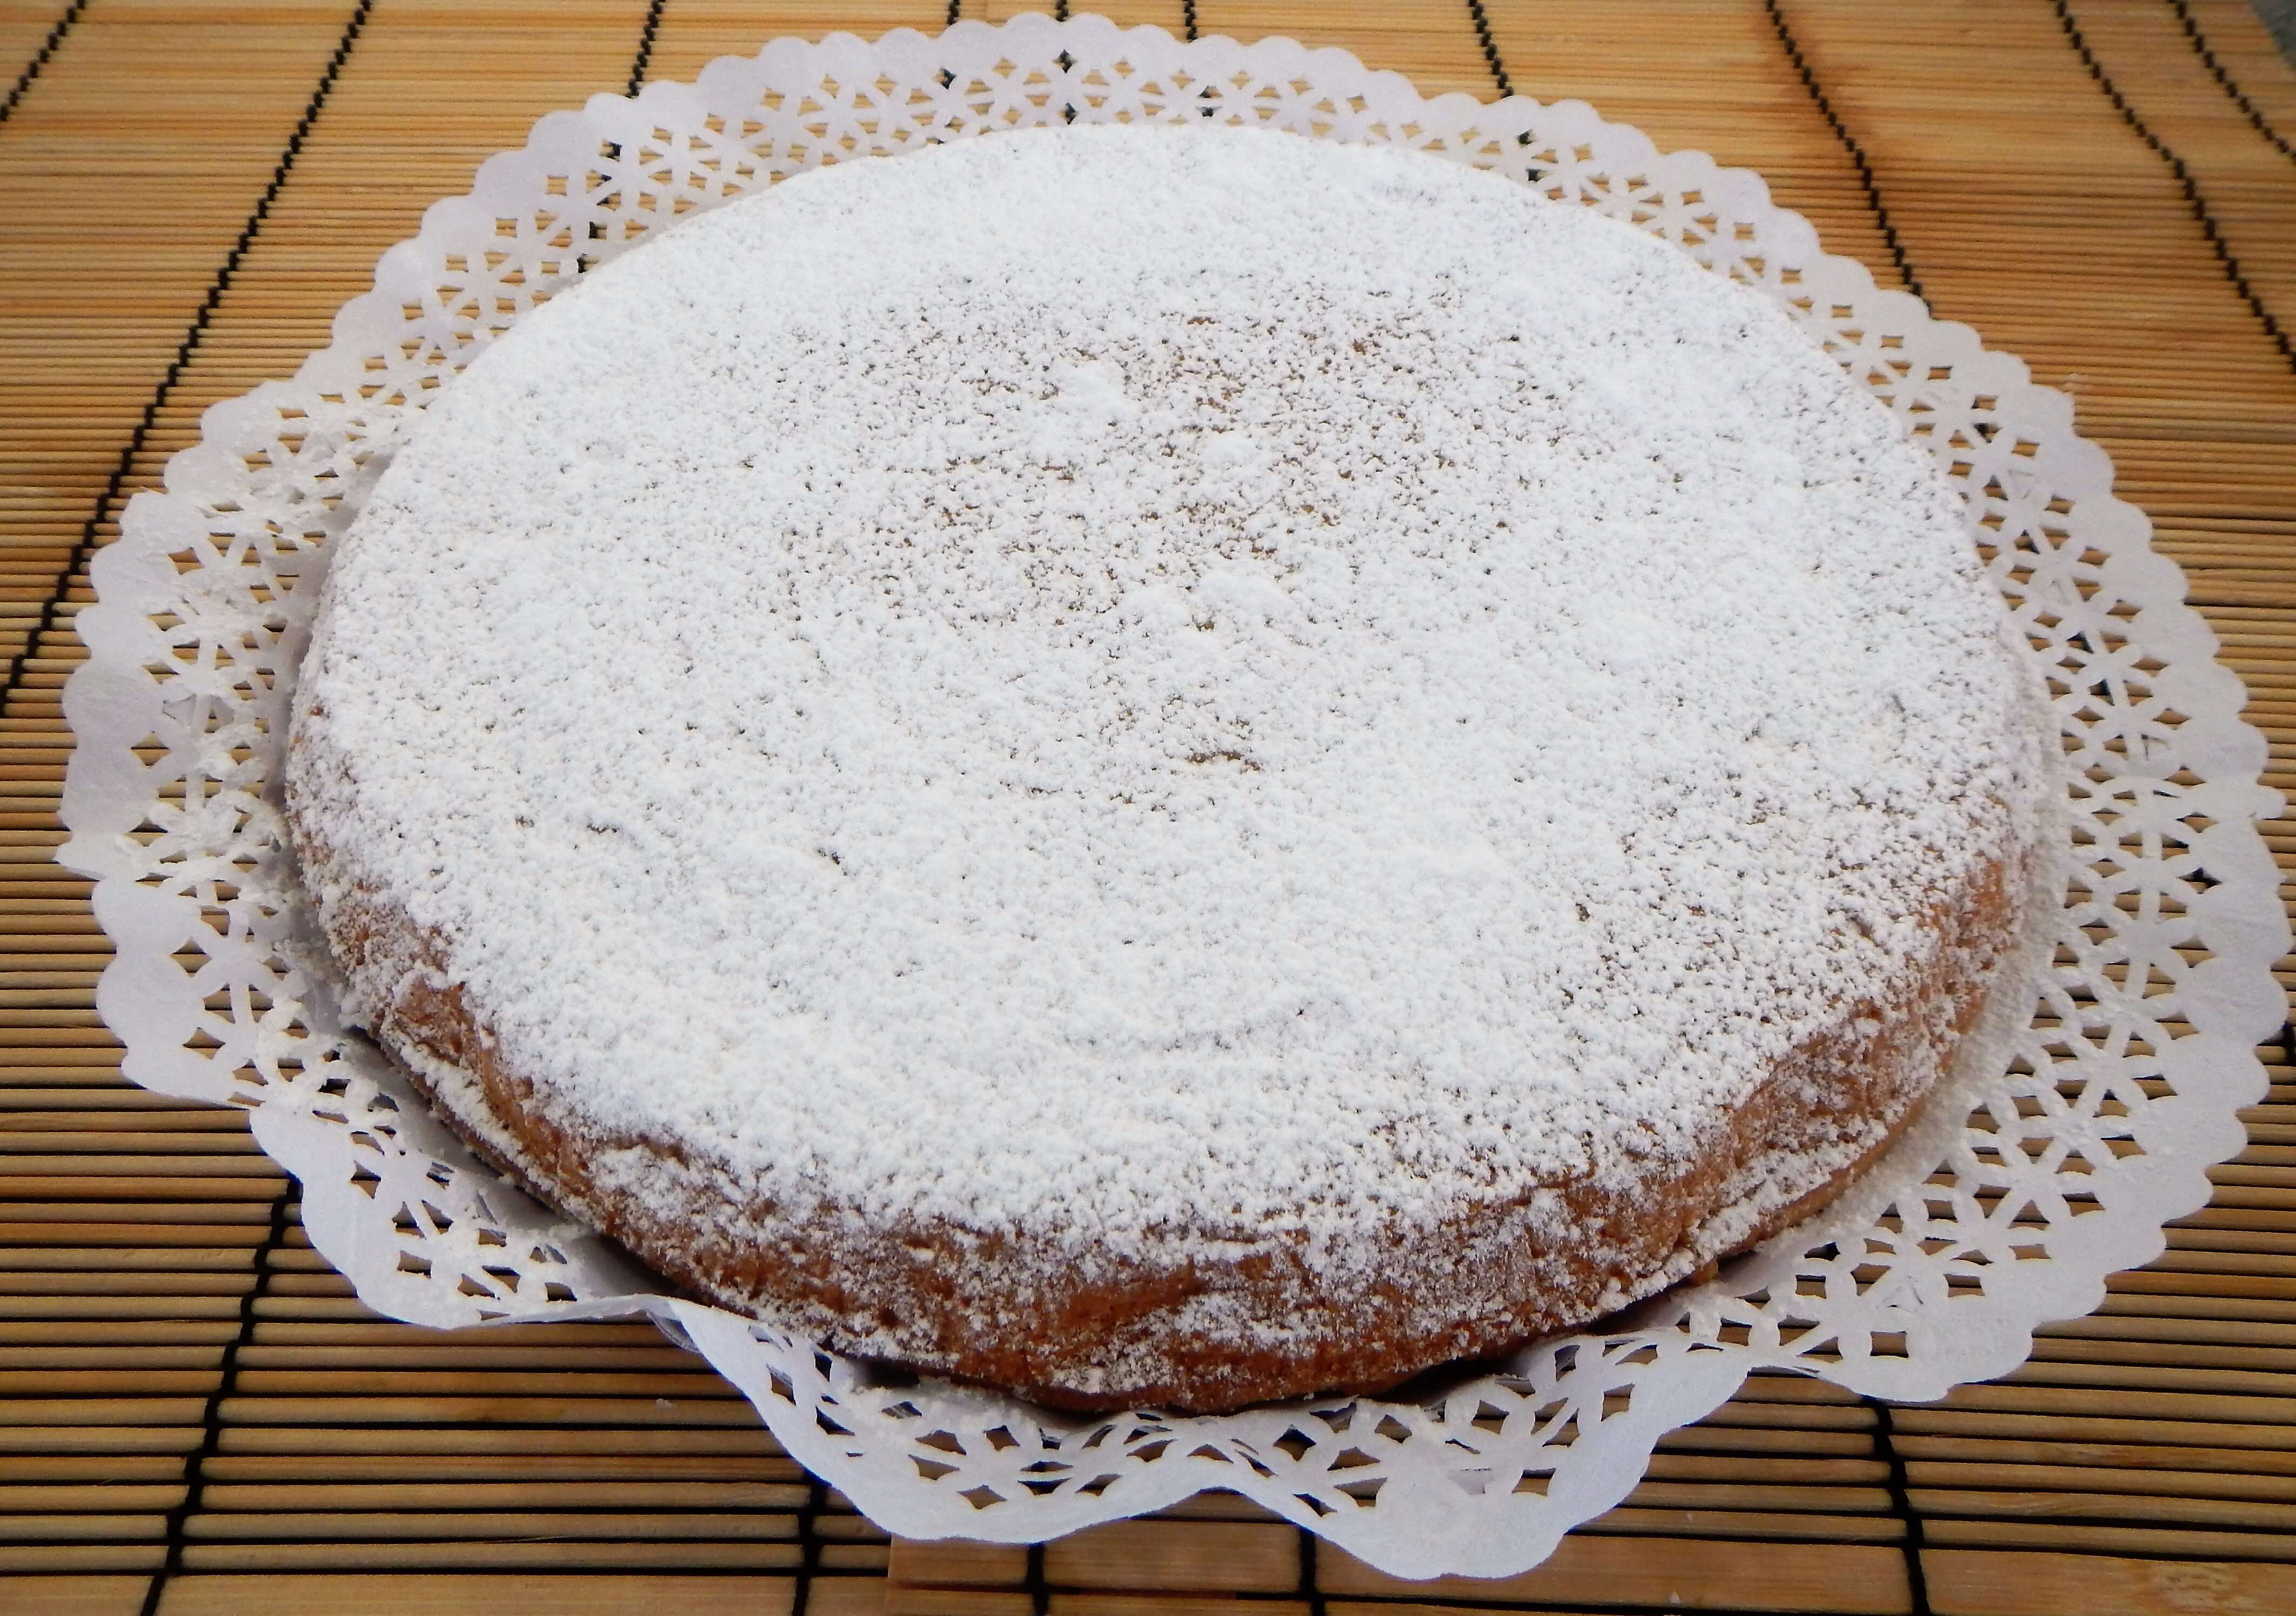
{"x": 201, "y": 1418}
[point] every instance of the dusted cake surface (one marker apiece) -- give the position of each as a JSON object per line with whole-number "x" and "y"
{"x": 1166, "y": 764}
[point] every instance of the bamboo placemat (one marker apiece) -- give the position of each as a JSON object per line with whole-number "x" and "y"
{"x": 200, "y": 1418}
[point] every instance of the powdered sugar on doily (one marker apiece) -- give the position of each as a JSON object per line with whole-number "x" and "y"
{"x": 1131, "y": 716}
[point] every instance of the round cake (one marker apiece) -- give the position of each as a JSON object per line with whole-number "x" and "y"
{"x": 1164, "y": 765}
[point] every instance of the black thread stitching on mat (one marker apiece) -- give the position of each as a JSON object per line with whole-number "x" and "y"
{"x": 1061, "y": 10}
{"x": 1310, "y": 1589}
{"x": 2200, "y": 207}
{"x": 1490, "y": 46}
{"x": 195, "y": 1478}
{"x": 1188, "y": 17}
{"x": 646, "y": 32}
{"x": 2239, "y": 99}
{"x": 1850, "y": 145}
{"x": 1040, "y": 1592}
{"x": 108, "y": 500}
{"x": 48, "y": 48}
{"x": 809, "y": 1545}
{"x": 954, "y": 6}
{"x": 1901, "y": 1501}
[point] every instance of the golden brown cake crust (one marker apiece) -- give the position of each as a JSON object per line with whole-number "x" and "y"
{"x": 913, "y": 1294}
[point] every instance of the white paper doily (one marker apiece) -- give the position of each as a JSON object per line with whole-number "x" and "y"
{"x": 2107, "y": 1089}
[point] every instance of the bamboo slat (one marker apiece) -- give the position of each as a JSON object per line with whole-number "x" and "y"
{"x": 2014, "y": 1585}
{"x": 189, "y": 1390}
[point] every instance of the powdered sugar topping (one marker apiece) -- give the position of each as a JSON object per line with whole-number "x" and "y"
{"x": 1104, "y": 680}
